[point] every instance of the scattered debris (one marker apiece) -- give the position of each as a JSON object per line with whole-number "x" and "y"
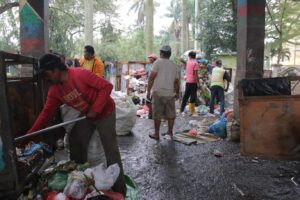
{"x": 218, "y": 153}
{"x": 238, "y": 189}
{"x": 293, "y": 181}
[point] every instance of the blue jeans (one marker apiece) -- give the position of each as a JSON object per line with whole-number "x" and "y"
{"x": 217, "y": 91}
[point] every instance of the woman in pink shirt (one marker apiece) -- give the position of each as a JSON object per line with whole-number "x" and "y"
{"x": 191, "y": 83}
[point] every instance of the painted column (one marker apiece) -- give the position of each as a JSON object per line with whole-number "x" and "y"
{"x": 34, "y": 33}
{"x": 250, "y": 42}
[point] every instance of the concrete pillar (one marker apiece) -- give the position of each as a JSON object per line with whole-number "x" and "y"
{"x": 250, "y": 42}
{"x": 34, "y": 32}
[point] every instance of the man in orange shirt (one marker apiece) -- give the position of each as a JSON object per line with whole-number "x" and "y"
{"x": 91, "y": 62}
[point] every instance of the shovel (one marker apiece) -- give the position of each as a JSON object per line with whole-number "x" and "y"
{"x": 48, "y": 129}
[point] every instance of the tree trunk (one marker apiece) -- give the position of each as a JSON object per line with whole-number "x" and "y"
{"x": 197, "y": 29}
{"x": 149, "y": 27}
{"x": 88, "y": 22}
{"x": 185, "y": 28}
{"x": 177, "y": 31}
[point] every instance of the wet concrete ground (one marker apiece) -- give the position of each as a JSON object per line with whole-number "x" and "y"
{"x": 171, "y": 170}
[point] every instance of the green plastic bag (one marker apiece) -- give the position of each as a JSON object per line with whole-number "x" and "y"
{"x": 58, "y": 181}
{"x": 132, "y": 190}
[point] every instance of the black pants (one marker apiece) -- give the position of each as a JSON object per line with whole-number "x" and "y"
{"x": 217, "y": 91}
{"x": 190, "y": 91}
{"x": 80, "y": 137}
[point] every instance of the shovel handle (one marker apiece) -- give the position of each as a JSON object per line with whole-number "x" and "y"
{"x": 48, "y": 129}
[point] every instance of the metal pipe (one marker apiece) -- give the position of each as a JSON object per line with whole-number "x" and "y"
{"x": 48, "y": 129}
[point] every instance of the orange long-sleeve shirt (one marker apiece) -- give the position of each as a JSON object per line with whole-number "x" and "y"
{"x": 94, "y": 65}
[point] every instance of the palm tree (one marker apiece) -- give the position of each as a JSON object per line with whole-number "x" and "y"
{"x": 185, "y": 27}
{"x": 149, "y": 27}
{"x": 142, "y": 7}
{"x": 175, "y": 27}
{"x": 88, "y": 22}
{"x": 139, "y": 7}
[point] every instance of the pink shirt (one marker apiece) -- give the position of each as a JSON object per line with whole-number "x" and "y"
{"x": 191, "y": 73}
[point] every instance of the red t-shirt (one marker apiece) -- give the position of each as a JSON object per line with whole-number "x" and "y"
{"x": 83, "y": 91}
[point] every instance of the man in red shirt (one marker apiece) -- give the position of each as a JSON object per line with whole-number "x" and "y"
{"x": 89, "y": 94}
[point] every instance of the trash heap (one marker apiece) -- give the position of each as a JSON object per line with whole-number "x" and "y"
{"x": 70, "y": 181}
{"x": 138, "y": 87}
{"x": 31, "y": 157}
{"x": 226, "y": 127}
{"x": 212, "y": 128}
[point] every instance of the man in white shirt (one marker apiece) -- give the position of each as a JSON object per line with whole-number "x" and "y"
{"x": 164, "y": 83}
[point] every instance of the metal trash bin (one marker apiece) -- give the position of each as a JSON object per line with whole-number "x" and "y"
{"x": 270, "y": 117}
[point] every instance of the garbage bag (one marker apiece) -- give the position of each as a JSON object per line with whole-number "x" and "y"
{"x": 104, "y": 178}
{"x": 58, "y": 181}
{"x": 96, "y": 153}
{"x": 131, "y": 189}
{"x": 218, "y": 128}
{"x": 68, "y": 113}
{"x": 202, "y": 110}
{"x": 266, "y": 86}
{"x": 32, "y": 149}
{"x": 61, "y": 196}
{"x": 125, "y": 113}
{"x": 77, "y": 186}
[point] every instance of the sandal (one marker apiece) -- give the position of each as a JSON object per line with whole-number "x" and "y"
{"x": 153, "y": 136}
{"x": 167, "y": 133}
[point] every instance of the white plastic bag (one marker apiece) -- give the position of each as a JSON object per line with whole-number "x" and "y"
{"x": 125, "y": 113}
{"x": 104, "y": 178}
{"x": 76, "y": 187}
{"x": 60, "y": 196}
{"x": 96, "y": 153}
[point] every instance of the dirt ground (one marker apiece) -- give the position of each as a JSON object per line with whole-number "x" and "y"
{"x": 171, "y": 170}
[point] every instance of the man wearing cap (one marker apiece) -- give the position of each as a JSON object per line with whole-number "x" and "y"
{"x": 90, "y": 95}
{"x": 164, "y": 84}
{"x": 91, "y": 62}
{"x": 152, "y": 58}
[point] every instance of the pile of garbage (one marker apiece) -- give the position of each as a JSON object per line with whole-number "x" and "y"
{"x": 68, "y": 180}
{"x": 223, "y": 127}
{"x": 143, "y": 111}
{"x": 31, "y": 156}
{"x": 226, "y": 127}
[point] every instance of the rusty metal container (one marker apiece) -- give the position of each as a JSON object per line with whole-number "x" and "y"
{"x": 21, "y": 98}
{"x": 270, "y": 123}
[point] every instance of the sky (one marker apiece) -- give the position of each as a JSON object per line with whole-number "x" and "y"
{"x": 160, "y": 21}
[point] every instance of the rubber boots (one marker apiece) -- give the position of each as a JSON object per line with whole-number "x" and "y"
{"x": 192, "y": 108}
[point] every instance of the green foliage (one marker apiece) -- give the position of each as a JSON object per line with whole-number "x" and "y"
{"x": 9, "y": 29}
{"x": 132, "y": 47}
{"x": 282, "y": 26}
{"x": 218, "y": 26}
{"x": 66, "y": 33}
